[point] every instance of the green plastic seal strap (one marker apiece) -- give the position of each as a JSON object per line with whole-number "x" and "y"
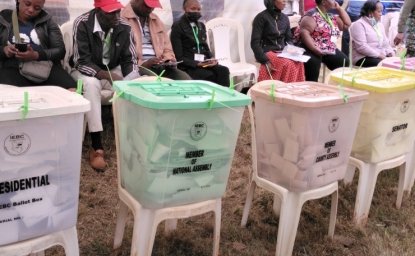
{"x": 25, "y": 107}
{"x": 272, "y": 92}
{"x": 212, "y": 99}
{"x": 79, "y": 86}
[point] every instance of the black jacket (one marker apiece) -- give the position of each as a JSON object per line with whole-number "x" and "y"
{"x": 87, "y": 56}
{"x": 265, "y": 36}
{"x": 50, "y": 36}
{"x": 184, "y": 42}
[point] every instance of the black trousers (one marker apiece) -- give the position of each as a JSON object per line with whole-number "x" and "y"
{"x": 218, "y": 74}
{"x": 369, "y": 62}
{"x": 312, "y": 66}
{"x": 58, "y": 77}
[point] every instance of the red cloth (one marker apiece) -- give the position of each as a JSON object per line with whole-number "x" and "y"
{"x": 309, "y": 4}
{"x": 286, "y": 70}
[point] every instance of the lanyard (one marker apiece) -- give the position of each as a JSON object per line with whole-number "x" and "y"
{"x": 378, "y": 33}
{"x": 326, "y": 17}
{"x": 196, "y": 35}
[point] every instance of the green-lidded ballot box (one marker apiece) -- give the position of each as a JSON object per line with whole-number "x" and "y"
{"x": 176, "y": 139}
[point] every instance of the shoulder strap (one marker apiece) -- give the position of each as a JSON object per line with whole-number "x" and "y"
{"x": 16, "y": 27}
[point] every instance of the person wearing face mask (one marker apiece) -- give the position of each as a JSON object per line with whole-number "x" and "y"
{"x": 270, "y": 33}
{"x": 103, "y": 52}
{"x": 318, "y": 33}
{"x": 188, "y": 38}
{"x": 154, "y": 50}
{"x": 370, "y": 44}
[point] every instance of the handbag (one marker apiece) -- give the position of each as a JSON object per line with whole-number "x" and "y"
{"x": 35, "y": 71}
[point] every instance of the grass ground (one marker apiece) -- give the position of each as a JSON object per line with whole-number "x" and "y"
{"x": 389, "y": 231}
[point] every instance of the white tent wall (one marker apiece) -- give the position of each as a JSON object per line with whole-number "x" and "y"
{"x": 241, "y": 10}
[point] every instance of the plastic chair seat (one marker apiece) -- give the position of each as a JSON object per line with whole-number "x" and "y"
{"x": 286, "y": 203}
{"x": 67, "y": 238}
{"x": 367, "y": 180}
{"x": 221, "y": 44}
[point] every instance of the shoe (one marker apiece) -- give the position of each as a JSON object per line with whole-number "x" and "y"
{"x": 96, "y": 160}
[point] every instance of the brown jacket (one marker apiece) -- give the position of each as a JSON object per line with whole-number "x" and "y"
{"x": 159, "y": 38}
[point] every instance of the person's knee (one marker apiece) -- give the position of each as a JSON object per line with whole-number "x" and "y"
{"x": 91, "y": 85}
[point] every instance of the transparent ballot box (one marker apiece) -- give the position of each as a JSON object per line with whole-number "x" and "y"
{"x": 40, "y": 160}
{"x": 176, "y": 139}
{"x": 304, "y": 132}
{"x": 387, "y": 124}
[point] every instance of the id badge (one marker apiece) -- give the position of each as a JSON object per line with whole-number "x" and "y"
{"x": 199, "y": 57}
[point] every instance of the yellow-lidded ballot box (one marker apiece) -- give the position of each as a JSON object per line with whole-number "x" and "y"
{"x": 304, "y": 132}
{"x": 387, "y": 124}
{"x": 176, "y": 139}
{"x": 40, "y": 160}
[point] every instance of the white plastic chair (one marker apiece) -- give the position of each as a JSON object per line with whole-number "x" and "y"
{"x": 286, "y": 202}
{"x": 221, "y": 30}
{"x": 367, "y": 180}
{"x": 147, "y": 220}
{"x": 67, "y": 33}
{"x": 67, "y": 238}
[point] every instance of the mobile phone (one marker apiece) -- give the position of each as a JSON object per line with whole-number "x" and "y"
{"x": 22, "y": 47}
{"x": 208, "y": 60}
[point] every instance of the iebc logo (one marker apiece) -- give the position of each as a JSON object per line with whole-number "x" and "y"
{"x": 17, "y": 144}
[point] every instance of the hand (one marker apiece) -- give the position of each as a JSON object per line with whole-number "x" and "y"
{"x": 28, "y": 55}
{"x": 207, "y": 63}
{"x": 389, "y": 55}
{"x": 337, "y": 6}
{"x": 398, "y": 38}
{"x": 152, "y": 62}
{"x": 116, "y": 77}
{"x": 382, "y": 56}
{"x": 10, "y": 51}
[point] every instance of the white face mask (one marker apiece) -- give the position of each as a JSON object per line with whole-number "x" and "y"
{"x": 372, "y": 21}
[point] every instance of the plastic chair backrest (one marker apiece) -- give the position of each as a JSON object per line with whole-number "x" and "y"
{"x": 67, "y": 33}
{"x": 222, "y": 30}
{"x": 253, "y": 136}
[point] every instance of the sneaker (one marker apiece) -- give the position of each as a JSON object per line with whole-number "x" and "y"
{"x": 96, "y": 159}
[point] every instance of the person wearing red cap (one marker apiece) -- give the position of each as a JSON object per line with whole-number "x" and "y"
{"x": 152, "y": 43}
{"x": 104, "y": 51}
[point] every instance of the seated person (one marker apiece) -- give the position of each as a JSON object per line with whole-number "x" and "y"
{"x": 188, "y": 37}
{"x": 407, "y": 19}
{"x": 151, "y": 41}
{"x": 270, "y": 37}
{"x": 318, "y": 33}
{"x": 102, "y": 43}
{"x": 370, "y": 44}
{"x": 43, "y": 43}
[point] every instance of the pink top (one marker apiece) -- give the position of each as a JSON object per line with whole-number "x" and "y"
{"x": 368, "y": 40}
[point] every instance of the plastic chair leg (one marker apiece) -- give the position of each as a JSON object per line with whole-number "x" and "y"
{"x": 248, "y": 203}
{"x": 365, "y": 189}
{"x": 170, "y": 225}
{"x": 142, "y": 245}
{"x": 291, "y": 211}
{"x": 70, "y": 238}
{"x": 403, "y": 176}
{"x": 333, "y": 213}
{"x": 120, "y": 226}
{"x": 216, "y": 231}
{"x": 348, "y": 178}
{"x": 276, "y": 205}
{"x": 410, "y": 173}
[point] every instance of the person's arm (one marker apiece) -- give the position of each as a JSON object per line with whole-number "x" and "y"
{"x": 307, "y": 26}
{"x": 343, "y": 19}
{"x": 256, "y": 38}
{"x": 406, "y": 9}
{"x": 128, "y": 61}
{"x": 388, "y": 49}
{"x": 360, "y": 41}
{"x": 56, "y": 47}
{"x": 82, "y": 52}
